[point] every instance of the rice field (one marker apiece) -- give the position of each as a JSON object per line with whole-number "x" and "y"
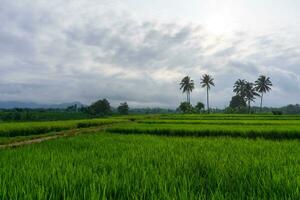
{"x": 207, "y": 157}
{"x": 13, "y": 129}
{"x": 245, "y": 126}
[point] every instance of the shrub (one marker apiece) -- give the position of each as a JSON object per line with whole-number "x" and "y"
{"x": 186, "y": 107}
{"x": 123, "y": 108}
{"x": 277, "y": 112}
{"x": 101, "y": 107}
{"x": 199, "y": 107}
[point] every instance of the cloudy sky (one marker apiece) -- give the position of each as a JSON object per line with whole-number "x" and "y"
{"x": 138, "y": 51}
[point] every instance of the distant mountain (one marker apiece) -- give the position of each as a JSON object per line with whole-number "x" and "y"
{"x": 17, "y": 104}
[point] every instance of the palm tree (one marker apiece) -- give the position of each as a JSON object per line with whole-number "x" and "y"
{"x": 207, "y": 81}
{"x": 187, "y": 85}
{"x": 263, "y": 85}
{"x": 246, "y": 91}
{"x": 250, "y": 94}
{"x": 239, "y": 88}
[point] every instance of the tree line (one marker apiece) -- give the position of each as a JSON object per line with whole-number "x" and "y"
{"x": 102, "y": 108}
{"x": 245, "y": 93}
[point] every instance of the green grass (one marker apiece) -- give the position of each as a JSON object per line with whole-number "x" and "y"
{"x": 132, "y": 163}
{"x": 113, "y": 166}
{"x": 271, "y": 131}
{"x": 34, "y": 128}
{"x": 227, "y": 117}
{"x": 221, "y": 122}
{"x": 9, "y": 140}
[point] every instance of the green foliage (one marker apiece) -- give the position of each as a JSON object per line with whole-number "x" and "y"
{"x": 151, "y": 111}
{"x": 263, "y": 84}
{"x": 237, "y": 102}
{"x": 230, "y": 110}
{"x": 101, "y": 107}
{"x": 40, "y": 115}
{"x": 246, "y": 91}
{"x": 207, "y": 81}
{"x": 187, "y": 85}
{"x": 199, "y": 107}
{"x": 239, "y": 88}
{"x": 237, "y": 105}
{"x": 186, "y": 107}
{"x": 123, "y": 108}
{"x": 240, "y": 110}
{"x": 250, "y": 92}
{"x": 291, "y": 109}
{"x": 277, "y": 112}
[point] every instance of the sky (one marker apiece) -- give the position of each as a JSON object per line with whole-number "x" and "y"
{"x": 138, "y": 51}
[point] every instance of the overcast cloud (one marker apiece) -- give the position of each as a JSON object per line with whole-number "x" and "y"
{"x": 62, "y": 51}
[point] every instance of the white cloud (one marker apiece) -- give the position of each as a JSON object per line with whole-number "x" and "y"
{"x": 56, "y": 51}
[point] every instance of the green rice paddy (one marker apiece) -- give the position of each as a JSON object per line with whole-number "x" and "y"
{"x": 207, "y": 157}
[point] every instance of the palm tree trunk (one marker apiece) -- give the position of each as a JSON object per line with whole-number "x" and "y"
{"x": 261, "y": 100}
{"x": 187, "y": 96}
{"x": 249, "y": 107}
{"x": 207, "y": 99}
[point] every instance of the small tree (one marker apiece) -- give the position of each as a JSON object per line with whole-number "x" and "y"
{"x": 237, "y": 102}
{"x": 101, "y": 107}
{"x": 123, "y": 108}
{"x": 237, "y": 105}
{"x": 186, "y": 107}
{"x": 199, "y": 107}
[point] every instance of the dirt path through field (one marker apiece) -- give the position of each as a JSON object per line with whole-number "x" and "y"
{"x": 41, "y": 138}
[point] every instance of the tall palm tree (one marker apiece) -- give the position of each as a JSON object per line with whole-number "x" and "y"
{"x": 263, "y": 85}
{"x": 187, "y": 85}
{"x": 250, "y": 94}
{"x": 207, "y": 81}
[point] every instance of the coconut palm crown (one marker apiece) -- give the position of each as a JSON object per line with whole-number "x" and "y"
{"x": 250, "y": 94}
{"x": 239, "y": 87}
{"x": 263, "y": 85}
{"x": 187, "y": 85}
{"x": 245, "y": 90}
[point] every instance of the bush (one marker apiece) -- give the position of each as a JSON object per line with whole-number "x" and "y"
{"x": 241, "y": 110}
{"x": 277, "y": 112}
{"x": 186, "y": 107}
{"x": 237, "y": 102}
{"x": 199, "y": 107}
{"x": 123, "y": 108}
{"x": 101, "y": 107}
